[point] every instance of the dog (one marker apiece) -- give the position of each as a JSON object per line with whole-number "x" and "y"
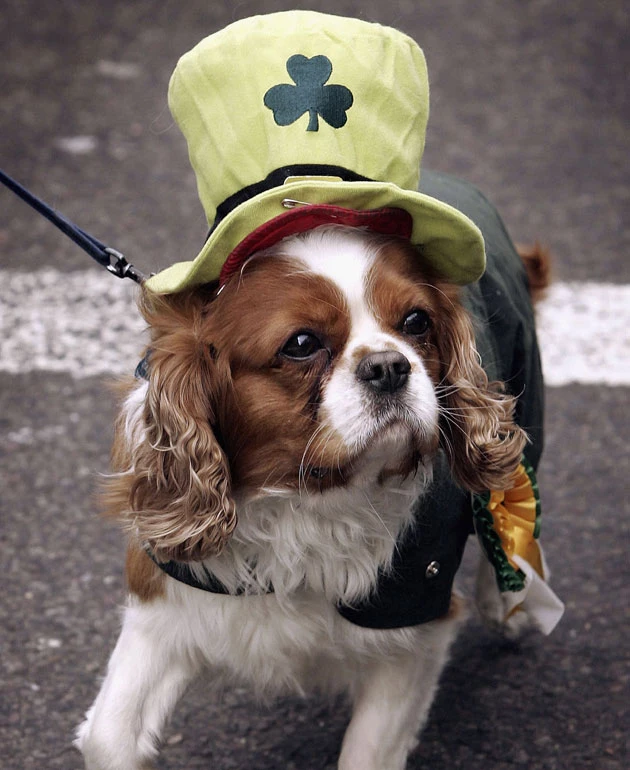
{"x": 288, "y": 423}
{"x": 338, "y": 388}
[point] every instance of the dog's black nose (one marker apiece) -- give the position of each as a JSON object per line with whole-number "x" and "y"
{"x": 386, "y": 372}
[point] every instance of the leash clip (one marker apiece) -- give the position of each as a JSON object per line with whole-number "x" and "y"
{"x": 119, "y": 266}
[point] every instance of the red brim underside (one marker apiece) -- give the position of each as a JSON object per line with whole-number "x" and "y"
{"x": 387, "y": 221}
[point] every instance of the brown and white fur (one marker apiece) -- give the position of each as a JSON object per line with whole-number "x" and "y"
{"x": 297, "y": 472}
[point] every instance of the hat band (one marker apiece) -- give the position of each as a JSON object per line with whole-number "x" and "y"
{"x": 276, "y": 179}
{"x": 386, "y": 221}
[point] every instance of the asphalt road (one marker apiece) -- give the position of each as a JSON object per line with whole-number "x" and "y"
{"x": 529, "y": 102}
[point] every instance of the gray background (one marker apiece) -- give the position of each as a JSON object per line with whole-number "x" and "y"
{"x": 529, "y": 102}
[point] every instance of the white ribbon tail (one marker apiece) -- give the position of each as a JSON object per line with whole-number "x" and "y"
{"x": 511, "y": 612}
{"x": 537, "y": 600}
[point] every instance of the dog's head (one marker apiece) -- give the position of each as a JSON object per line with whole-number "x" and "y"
{"x": 333, "y": 359}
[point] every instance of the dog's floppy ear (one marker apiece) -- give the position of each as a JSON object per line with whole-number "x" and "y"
{"x": 179, "y": 495}
{"x": 480, "y": 437}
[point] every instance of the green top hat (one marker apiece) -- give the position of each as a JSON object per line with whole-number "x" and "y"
{"x": 299, "y": 118}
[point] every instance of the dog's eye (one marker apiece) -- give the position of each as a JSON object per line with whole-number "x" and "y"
{"x": 302, "y": 345}
{"x": 417, "y": 323}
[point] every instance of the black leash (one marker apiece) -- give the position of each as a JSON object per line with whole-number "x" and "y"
{"x": 109, "y": 258}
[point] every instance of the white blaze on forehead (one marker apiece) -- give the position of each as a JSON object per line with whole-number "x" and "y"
{"x": 343, "y": 259}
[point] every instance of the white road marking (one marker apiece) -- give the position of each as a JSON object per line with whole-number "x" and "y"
{"x": 86, "y": 324}
{"x": 77, "y": 145}
{"x": 119, "y": 70}
{"x": 584, "y": 334}
{"x": 83, "y": 323}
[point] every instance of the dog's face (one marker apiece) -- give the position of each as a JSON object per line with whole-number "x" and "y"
{"x": 328, "y": 346}
{"x": 331, "y": 360}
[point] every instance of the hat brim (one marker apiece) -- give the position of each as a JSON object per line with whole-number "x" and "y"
{"x": 452, "y": 245}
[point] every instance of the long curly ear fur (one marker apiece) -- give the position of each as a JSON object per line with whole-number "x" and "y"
{"x": 175, "y": 492}
{"x": 481, "y": 439}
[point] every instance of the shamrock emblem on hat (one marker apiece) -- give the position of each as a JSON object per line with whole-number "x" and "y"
{"x": 309, "y": 94}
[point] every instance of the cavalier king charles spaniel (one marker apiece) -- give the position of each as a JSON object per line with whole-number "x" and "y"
{"x": 289, "y": 420}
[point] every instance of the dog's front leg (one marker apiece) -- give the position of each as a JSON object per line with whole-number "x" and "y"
{"x": 145, "y": 677}
{"x": 392, "y": 702}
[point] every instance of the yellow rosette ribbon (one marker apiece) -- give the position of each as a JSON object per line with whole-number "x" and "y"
{"x": 507, "y": 523}
{"x": 516, "y": 516}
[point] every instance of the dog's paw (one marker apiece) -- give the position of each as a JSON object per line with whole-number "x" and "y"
{"x": 102, "y": 752}
{"x": 512, "y": 628}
